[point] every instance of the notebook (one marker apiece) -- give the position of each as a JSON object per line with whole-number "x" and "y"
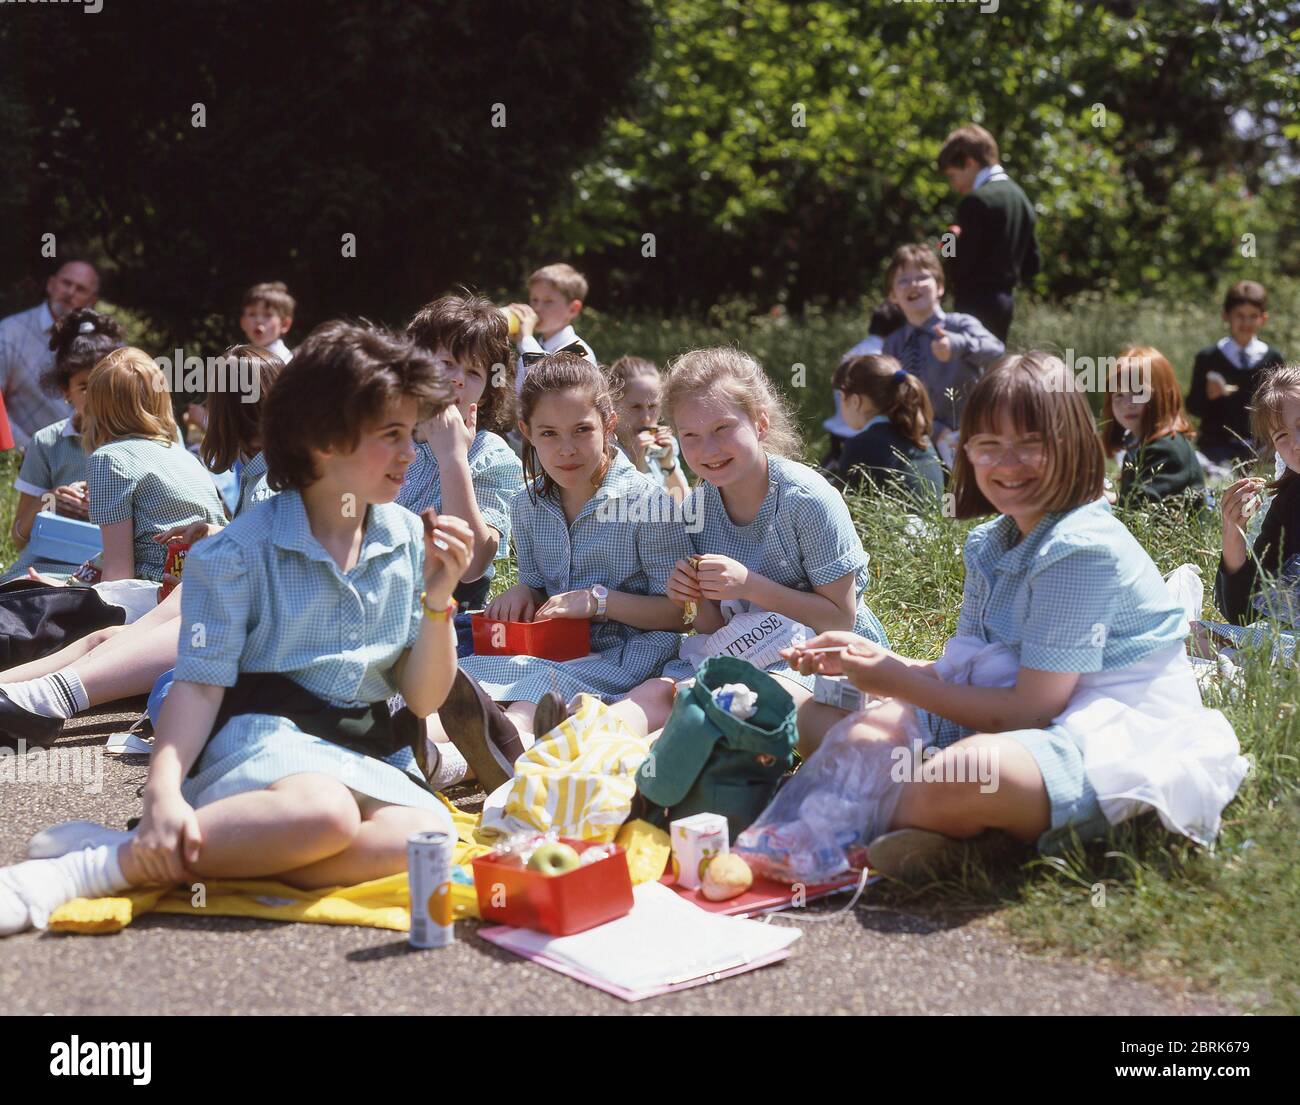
{"x": 666, "y": 943}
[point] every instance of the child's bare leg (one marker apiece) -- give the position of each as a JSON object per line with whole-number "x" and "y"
{"x": 646, "y": 708}
{"x": 130, "y": 663}
{"x": 378, "y": 849}
{"x": 57, "y": 661}
{"x": 814, "y": 718}
{"x": 521, "y": 715}
{"x": 294, "y": 822}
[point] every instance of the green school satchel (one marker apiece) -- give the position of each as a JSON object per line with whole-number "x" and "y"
{"x": 709, "y": 761}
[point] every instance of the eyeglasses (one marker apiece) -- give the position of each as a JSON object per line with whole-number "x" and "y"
{"x": 985, "y": 454}
{"x": 908, "y": 281}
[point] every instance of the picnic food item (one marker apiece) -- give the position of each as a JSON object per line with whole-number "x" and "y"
{"x": 428, "y": 865}
{"x": 554, "y": 858}
{"x": 737, "y": 699}
{"x": 174, "y": 565}
{"x": 1218, "y": 378}
{"x": 690, "y": 609}
{"x": 728, "y": 876}
{"x": 512, "y": 321}
{"x": 697, "y": 840}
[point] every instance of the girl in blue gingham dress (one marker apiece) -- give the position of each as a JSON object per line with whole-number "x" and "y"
{"x": 590, "y": 533}
{"x": 305, "y": 618}
{"x": 770, "y": 534}
{"x": 1065, "y": 703}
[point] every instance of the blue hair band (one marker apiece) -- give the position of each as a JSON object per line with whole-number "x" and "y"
{"x": 900, "y": 375}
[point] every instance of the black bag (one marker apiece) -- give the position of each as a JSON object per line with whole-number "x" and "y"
{"x": 37, "y": 619}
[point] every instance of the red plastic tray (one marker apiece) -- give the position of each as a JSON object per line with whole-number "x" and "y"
{"x": 559, "y": 904}
{"x": 551, "y": 638}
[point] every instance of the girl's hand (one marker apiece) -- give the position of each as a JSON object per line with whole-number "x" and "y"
{"x": 1240, "y": 501}
{"x": 808, "y": 660}
{"x": 684, "y": 584}
{"x": 448, "y": 549}
{"x": 49, "y": 581}
{"x": 514, "y": 605}
{"x": 720, "y": 577}
{"x": 870, "y": 667}
{"x": 167, "y": 838}
{"x": 450, "y": 434}
{"x": 72, "y": 500}
{"x": 664, "y": 438}
{"x": 569, "y": 604}
{"x": 194, "y": 531}
{"x": 527, "y": 318}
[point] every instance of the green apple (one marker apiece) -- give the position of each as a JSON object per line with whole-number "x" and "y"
{"x": 554, "y": 859}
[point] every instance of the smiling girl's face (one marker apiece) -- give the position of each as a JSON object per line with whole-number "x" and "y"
{"x": 374, "y": 470}
{"x": 569, "y": 436}
{"x": 719, "y": 439}
{"x": 1009, "y": 469}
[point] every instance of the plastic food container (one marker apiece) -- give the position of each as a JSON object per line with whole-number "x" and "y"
{"x": 550, "y": 639}
{"x": 55, "y": 537}
{"x": 511, "y": 894}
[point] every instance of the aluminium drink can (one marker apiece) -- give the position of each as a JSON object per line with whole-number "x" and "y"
{"x": 428, "y": 862}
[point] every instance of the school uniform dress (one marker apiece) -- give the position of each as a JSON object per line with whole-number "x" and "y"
{"x": 882, "y": 457}
{"x": 627, "y": 537}
{"x": 1157, "y": 470}
{"x": 54, "y": 458}
{"x": 253, "y": 488}
{"x": 948, "y": 382}
{"x": 802, "y": 538}
{"x": 1079, "y": 594}
{"x": 496, "y": 475}
{"x": 263, "y": 595}
{"x": 1225, "y": 434}
{"x": 155, "y": 486}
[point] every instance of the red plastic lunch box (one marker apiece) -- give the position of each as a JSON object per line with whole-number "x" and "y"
{"x": 550, "y": 639}
{"x": 511, "y": 894}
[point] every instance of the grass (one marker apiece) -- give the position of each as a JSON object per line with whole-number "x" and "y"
{"x": 1144, "y": 900}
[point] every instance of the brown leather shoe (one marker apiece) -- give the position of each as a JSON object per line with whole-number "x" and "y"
{"x": 551, "y": 711}
{"x": 475, "y": 725}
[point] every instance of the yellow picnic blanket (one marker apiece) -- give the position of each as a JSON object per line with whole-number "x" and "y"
{"x": 381, "y": 903}
{"x": 579, "y": 779}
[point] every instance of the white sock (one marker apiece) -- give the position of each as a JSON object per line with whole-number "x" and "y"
{"x": 451, "y": 768}
{"x": 58, "y": 695}
{"x": 45, "y": 884}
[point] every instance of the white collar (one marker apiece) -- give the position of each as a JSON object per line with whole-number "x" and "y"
{"x": 988, "y": 174}
{"x": 1233, "y": 351}
{"x": 68, "y": 429}
{"x": 874, "y": 420}
{"x": 45, "y": 317}
{"x": 560, "y": 339}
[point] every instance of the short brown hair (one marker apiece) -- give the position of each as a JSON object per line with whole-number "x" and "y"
{"x": 1275, "y": 387}
{"x": 234, "y": 426}
{"x": 1246, "y": 292}
{"x": 127, "y": 396}
{"x": 274, "y": 295}
{"x": 1163, "y": 410}
{"x": 473, "y": 329}
{"x": 971, "y": 141}
{"x": 557, "y": 373}
{"x": 896, "y": 393}
{"x": 341, "y": 379}
{"x": 568, "y": 281}
{"x": 1035, "y": 392}
{"x": 919, "y": 256}
{"x": 741, "y": 380}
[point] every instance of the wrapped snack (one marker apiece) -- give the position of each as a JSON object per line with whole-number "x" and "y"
{"x": 690, "y": 609}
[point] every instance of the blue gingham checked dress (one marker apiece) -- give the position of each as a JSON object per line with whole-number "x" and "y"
{"x": 264, "y": 595}
{"x": 154, "y": 485}
{"x": 628, "y": 537}
{"x": 1079, "y": 594}
{"x": 253, "y": 488}
{"x": 54, "y": 458}
{"x": 802, "y": 538}
{"x": 494, "y": 470}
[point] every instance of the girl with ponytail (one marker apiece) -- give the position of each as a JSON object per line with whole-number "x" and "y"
{"x": 891, "y": 411}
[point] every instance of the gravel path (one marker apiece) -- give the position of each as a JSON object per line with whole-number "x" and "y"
{"x": 868, "y": 962}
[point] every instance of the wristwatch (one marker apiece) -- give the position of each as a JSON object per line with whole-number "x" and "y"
{"x": 601, "y": 595}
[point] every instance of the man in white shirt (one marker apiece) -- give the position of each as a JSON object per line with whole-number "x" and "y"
{"x": 25, "y": 352}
